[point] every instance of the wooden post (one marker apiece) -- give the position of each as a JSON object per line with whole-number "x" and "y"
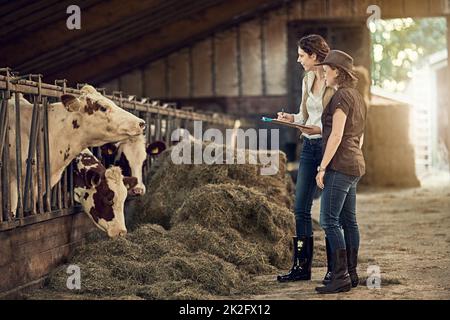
{"x": 448, "y": 82}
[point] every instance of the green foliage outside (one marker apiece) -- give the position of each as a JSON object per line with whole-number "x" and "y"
{"x": 400, "y": 45}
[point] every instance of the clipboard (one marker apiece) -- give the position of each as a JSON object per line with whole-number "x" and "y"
{"x": 285, "y": 123}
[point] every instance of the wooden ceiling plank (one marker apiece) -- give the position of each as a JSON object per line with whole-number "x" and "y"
{"x": 56, "y": 35}
{"x": 166, "y": 37}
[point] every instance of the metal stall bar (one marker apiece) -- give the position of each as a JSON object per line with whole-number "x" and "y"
{"x": 148, "y": 140}
{"x": 29, "y": 196}
{"x": 60, "y": 196}
{"x": 3, "y": 112}
{"x": 168, "y": 129}
{"x": 4, "y": 159}
{"x": 4, "y": 150}
{"x": 37, "y": 100}
{"x": 40, "y": 205}
{"x": 158, "y": 126}
{"x": 18, "y": 158}
{"x": 47, "y": 168}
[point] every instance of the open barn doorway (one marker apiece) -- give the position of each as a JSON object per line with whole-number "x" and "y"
{"x": 410, "y": 65}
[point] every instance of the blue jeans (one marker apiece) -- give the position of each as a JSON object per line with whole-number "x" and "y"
{"x": 305, "y": 188}
{"x": 338, "y": 210}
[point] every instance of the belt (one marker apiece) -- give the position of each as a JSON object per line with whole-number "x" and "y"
{"x": 313, "y": 141}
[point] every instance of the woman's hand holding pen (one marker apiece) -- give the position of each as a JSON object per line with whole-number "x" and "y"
{"x": 285, "y": 116}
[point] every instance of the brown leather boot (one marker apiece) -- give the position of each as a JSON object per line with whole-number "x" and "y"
{"x": 340, "y": 279}
{"x": 327, "y": 277}
{"x": 352, "y": 261}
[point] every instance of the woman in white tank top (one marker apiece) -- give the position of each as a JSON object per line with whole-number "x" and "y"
{"x": 312, "y": 49}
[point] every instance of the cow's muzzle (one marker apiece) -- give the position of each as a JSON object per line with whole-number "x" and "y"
{"x": 136, "y": 191}
{"x": 117, "y": 233}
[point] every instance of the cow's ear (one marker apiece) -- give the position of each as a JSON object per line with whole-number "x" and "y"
{"x": 130, "y": 182}
{"x": 155, "y": 148}
{"x": 71, "y": 102}
{"x": 108, "y": 149}
{"x": 88, "y": 89}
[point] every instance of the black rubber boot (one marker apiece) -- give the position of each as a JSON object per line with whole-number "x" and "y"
{"x": 352, "y": 260}
{"x": 303, "y": 253}
{"x": 327, "y": 277}
{"x": 340, "y": 279}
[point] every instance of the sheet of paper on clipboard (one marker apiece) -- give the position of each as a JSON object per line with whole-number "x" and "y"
{"x": 285, "y": 123}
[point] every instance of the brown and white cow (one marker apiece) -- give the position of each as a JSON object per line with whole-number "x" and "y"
{"x": 130, "y": 156}
{"x": 74, "y": 124}
{"x": 102, "y": 193}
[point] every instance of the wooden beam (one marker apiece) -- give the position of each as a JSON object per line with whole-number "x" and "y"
{"x": 56, "y": 35}
{"x": 392, "y": 8}
{"x": 448, "y": 81}
{"x": 436, "y": 7}
{"x": 340, "y": 8}
{"x": 416, "y": 8}
{"x": 149, "y": 44}
{"x": 314, "y": 9}
{"x": 360, "y": 7}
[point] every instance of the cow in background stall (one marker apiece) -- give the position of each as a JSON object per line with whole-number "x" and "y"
{"x": 74, "y": 124}
{"x": 130, "y": 156}
{"x": 102, "y": 193}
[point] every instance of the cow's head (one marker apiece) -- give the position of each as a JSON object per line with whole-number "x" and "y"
{"x": 131, "y": 156}
{"x": 102, "y": 193}
{"x": 100, "y": 118}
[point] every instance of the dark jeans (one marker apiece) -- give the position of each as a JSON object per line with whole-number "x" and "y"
{"x": 338, "y": 209}
{"x": 305, "y": 188}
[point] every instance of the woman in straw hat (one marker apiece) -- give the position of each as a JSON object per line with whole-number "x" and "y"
{"x": 343, "y": 122}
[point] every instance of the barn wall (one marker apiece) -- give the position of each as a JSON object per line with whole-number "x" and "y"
{"x": 276, "y": 44}
{"x": 112, "y": 85}
{"x": 202, "y": 68}
{"x": 155, "y": 79}
{"x": 226, "y": 80}
{"x": 251, "y": 58}
{"x": 29, "y": 253}
{"x": 131, "y": 83}
{"x": 179, "y": 74}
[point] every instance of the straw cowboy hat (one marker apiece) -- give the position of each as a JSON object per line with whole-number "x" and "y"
{"x": 338, "y": 58}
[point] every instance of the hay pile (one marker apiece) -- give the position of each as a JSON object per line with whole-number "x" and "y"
{"x": 172, "y": 184}
{"x": 201, "y": 231}
{"x": 151, "y": 264}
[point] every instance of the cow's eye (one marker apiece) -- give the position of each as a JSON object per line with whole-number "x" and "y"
{"x": 103, "y": 109}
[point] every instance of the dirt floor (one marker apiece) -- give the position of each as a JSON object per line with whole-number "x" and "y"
{"x": 405, "y": 233}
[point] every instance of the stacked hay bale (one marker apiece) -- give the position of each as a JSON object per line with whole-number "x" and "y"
{"x": 201, "y": 231}
{"x": 387, "y": 148}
